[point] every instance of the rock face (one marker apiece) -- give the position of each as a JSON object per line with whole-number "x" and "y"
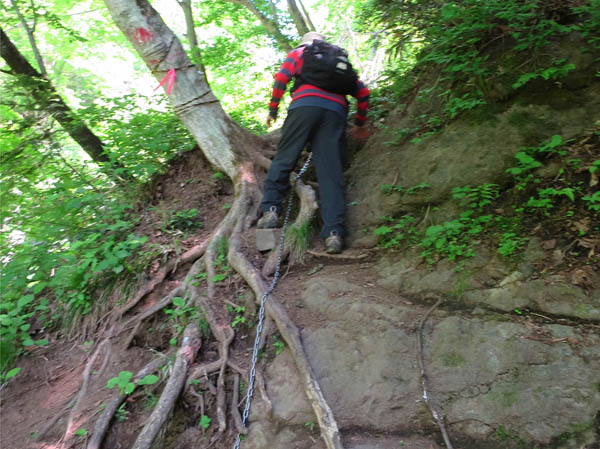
{"x": 469, "y": 151}
{"x": 488, "y": 282}
{"x": 496, "y": 381}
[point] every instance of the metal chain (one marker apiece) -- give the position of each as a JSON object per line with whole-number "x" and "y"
{"x": 261, "y": 312}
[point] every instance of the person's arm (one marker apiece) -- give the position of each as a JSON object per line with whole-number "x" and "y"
{"x": 362, "y": 103}
{"x": 359, "y": 131}
{"x": 286, "y": 72}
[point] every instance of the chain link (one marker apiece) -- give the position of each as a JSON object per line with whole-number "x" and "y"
{"x": 261, "y": 312}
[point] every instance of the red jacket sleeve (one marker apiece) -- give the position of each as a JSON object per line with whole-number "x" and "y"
{"x": 362, "y": 103}
{"x": 289, "y": 68}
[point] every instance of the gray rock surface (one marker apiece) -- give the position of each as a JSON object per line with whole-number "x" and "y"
{"x": 493, "y": 378}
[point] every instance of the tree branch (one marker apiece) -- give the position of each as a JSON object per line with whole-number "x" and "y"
{"x": 31, "y": 37}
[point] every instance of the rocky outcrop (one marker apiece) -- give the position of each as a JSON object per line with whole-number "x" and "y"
{"x": 498, "y": 381}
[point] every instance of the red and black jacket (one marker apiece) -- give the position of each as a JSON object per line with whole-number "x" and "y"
{"x": 291, "y": 67}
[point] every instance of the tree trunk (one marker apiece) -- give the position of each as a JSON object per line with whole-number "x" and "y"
{"x": 49, "y": 100}
{"x": 191, "y": 97}
{"x": 306, "y": 16}
{"x": 272, "y": 26}
{"x": 297, "y": 17}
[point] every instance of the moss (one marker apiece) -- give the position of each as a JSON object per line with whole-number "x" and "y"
{"x": 461, "y": 284}
{"x": 532, "y": 126}
{"x": 576, "y": 433}
{"x": 453, "y": 358}
{"x": 510, "y": 438}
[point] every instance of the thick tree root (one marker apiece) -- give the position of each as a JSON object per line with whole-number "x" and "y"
{"x": 237, "y": 220}
{"x": 185, "y": 356}
{"x": 114, "y": 403}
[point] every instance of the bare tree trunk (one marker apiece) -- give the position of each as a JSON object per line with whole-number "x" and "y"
{"x": 191, "y": 97}
{"x": 45, "y": 94}
{"x": 297, "y": 17}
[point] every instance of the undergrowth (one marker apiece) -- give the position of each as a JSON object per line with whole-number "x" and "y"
{"x": 567, "y": 204}
{"x": 457, "y": 67}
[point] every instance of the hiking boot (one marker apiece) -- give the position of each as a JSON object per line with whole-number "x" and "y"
{"x": 334, "y": 243}
{"x": 269, "y": 220}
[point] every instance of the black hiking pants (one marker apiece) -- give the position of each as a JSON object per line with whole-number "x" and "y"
{"x": 326, "y": 131}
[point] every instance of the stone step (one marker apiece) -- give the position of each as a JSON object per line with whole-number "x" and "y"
{"x": 267, "y": 239}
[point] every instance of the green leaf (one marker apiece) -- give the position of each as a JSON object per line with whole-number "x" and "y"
{"x": 150, "y": 379}
{"x": 178, "y": 302}
{"x": 205, "y": 422}
{"x": 125, "y": 376}
{"x": 81, "y": 432}
{"x": 24, "y": 300}
{"x": 219, "y": 277}
{"x": 382, "y": 230}
{"x": 449, "y": 11}
{"x": 129, "y": 388}
{"x": 12, "y": 373}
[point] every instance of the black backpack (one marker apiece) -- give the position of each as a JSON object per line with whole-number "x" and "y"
{"x": 327, "y": 67}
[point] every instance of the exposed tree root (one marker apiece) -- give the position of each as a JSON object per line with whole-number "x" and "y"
{"x": 147, "y": 313}
{"x": 421, "y": 344}
{"x": 115, "y": 401}
{"x": 235, "y": 412}
{"x": 225, "y": 341}
{"x": 189, "y": 256}
{"x": 185, "y": 356}
{"x": 290, "y": 334}
{"x": 55, "y": 419}
{"x": 205, "y": 257}
{"x": 87, "y": 372}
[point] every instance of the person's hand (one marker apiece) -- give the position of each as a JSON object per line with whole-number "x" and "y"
{"x": 269, "y": 121}
{"x": 360, "y": 132}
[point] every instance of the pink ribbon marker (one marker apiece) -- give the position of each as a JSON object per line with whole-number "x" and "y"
{"x": 169, "y": 76}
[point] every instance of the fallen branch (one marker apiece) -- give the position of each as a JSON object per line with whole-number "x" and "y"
{"x": 421, "y": 344}
{"x": 186, "y": 354}
{"x": 115, "y": 401}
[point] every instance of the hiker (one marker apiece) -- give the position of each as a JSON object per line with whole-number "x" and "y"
{"x": 317, "y": 115}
